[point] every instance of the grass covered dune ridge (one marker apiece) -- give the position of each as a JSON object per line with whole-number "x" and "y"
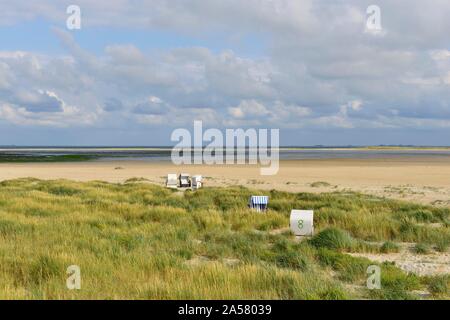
{"x": 141, "y": 241}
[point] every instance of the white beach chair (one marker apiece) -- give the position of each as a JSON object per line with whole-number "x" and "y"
{"x": 172, "y": 181}
{"x": 197, "y": 182}
{"x": 302, "y": 222}
{"x": 185, "y": 180}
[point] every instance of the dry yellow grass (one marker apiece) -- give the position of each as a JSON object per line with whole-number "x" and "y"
{"x": 141, "y": 241}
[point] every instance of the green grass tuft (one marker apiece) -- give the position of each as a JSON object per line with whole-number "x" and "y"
{"x": 389, "y": 247}
{"x": 422, "y": 248}
{"x": 439, "y": 285}
{"x": 320, "y": 184}
{"x": 333, "y": 238}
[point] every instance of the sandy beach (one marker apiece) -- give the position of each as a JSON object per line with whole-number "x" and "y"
{"x": 420, "y": 180}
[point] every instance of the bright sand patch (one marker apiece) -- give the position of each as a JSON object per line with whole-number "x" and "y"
{"x": 434, "y": 263}
{"x": 424, "y": 180}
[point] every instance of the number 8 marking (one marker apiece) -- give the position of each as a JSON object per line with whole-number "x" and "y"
{"x": 300, "y": 224}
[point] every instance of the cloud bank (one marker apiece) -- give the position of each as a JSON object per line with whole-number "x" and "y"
{"x": 318, "y": 69}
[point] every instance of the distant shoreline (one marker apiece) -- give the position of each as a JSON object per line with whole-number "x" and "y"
{"x": 152, "y": 154}
{"x": 168, "y": 148}
{"x": 11, "y": 158}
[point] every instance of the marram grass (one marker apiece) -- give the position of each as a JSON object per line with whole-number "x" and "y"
{"x": 141, "y": 241}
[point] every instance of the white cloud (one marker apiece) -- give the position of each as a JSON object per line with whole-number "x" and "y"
{"x": 250, "y": 109}
{"x": 151, "y": 106}
{"x": 318, "y": 68}
{"x": 69, "y": 116}
{"x": 440, "y": 55}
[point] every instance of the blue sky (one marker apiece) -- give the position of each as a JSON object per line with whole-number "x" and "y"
{"x": 37, "y": 36}
{"x": 138, "y": 70}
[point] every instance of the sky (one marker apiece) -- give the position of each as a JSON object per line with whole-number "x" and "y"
{"x": 137, "y": 70}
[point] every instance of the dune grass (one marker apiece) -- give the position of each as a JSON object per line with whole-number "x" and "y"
{"x": 319, "y": 184}
{"x": 389, "y": 247}
{"x": 140, "y": 241}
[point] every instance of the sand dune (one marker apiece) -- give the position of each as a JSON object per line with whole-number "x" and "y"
{"x": 420, "y": 180}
